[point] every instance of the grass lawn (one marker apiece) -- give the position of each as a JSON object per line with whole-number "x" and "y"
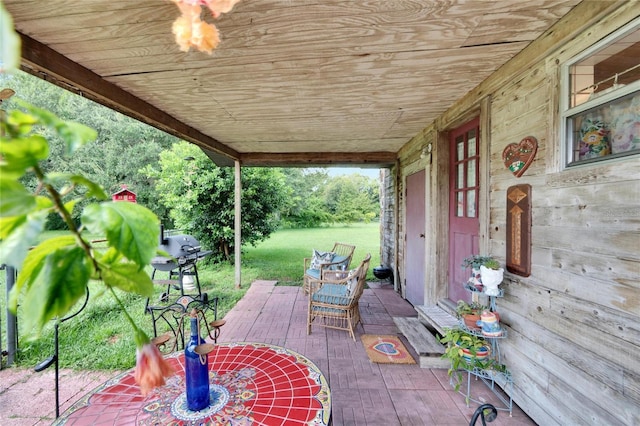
{"x": 99, "y": 338}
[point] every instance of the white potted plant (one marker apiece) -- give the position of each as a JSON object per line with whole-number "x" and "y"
{"x": 491, "y": 274}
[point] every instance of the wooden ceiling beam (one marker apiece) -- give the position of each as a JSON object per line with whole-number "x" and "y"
{"x": 319, "y": 159}
{"x": 44, "y": 62}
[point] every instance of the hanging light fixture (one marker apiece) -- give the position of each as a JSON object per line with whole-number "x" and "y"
{"x": 191, "y": 31}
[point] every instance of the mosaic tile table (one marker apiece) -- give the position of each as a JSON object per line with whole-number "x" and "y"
{"x": 250, "y": 384}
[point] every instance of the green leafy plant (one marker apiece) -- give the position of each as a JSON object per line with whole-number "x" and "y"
{"x": 458, "y": 341}
{"x": 477, "y": 260}
{"x": 491, "y": 264}
{"x": 465, "y": 308}
{"x": 470, "y": 313}
{"x": 54, "y": 275}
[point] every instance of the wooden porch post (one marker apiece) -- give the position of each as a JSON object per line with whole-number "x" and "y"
{"x": 237, "y": 222}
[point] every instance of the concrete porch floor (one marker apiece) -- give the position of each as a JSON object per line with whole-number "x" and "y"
{"x": 362, "y": 393}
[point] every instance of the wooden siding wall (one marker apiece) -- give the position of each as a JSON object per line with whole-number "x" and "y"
{"x": 388, "y": 206}
{"x": 573, "y": 340}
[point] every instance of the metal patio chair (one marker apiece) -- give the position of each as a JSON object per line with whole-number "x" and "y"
{"x": 171, "y": 322}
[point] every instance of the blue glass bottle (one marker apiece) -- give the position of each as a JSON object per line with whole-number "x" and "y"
{"x": 196, "y": 371}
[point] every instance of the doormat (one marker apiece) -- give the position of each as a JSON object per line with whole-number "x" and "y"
{"x": 386, "y": 349}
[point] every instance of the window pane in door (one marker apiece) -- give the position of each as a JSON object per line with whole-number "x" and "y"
{"x": 471, "y": 203}
{"x": 460, "y": 176}
{"x": 460, "y": 204}
{"x": 459, "y": 148}
{"x": 472, "y": 143}
{"x": 471, "y": 173}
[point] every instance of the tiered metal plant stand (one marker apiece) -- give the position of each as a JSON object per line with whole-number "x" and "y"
{"x": 490, "y": 378}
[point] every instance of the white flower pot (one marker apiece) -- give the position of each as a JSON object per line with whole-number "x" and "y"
{"x": 491, "y": 279}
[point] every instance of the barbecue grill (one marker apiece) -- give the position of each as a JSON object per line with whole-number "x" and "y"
{"x": 185, "y": 251}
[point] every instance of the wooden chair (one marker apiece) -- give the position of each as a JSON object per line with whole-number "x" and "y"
{"x": 333, "y": 299}
{"x": 343, "y": 254}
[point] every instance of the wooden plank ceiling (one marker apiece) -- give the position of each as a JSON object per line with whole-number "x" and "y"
{"x": 304, "y": 82}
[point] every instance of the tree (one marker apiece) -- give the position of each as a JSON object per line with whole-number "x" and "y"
{"x": 305, "y": 207}
{"x": 123, "y": 145}
{"x": 200, "y": 196}
{"x": 352, "y": 198}
{"x": 316, "y": 199}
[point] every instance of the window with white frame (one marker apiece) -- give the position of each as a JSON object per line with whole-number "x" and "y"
{"x": 600, "y": 103}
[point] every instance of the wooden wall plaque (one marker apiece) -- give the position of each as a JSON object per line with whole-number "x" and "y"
{"x": 519, "y": 229}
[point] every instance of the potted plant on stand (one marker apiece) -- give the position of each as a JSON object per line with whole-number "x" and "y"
{"x": 486, "y": 273}
{"x": 465, "y": 351}
{"x": 491, "y": 274}
{"x": 468, "y": 351}
{"x": 470, "y": 313}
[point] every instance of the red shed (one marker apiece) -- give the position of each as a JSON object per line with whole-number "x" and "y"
{"x": 124, "y": 195}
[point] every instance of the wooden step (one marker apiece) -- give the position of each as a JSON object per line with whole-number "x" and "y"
{"x": 425, "y": 344}
{"x": 436, "y": 317}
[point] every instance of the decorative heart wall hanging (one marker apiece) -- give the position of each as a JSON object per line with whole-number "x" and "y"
{"x": 518, "y": 157}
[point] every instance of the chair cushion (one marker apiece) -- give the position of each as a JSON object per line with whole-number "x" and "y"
{"x": 352, "y": 280}
{"x": 338, "y": 261}
{"x": 320, "y": 257}
{"x": 315, "y": 273}
{"x": 333, "y": 311}
{"x": 335, "y": 294}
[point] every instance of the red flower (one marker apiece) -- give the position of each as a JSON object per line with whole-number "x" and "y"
{"x": 151, "y": 368}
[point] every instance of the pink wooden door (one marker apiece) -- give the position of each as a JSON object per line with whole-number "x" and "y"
{"x": 415, "y": 237}
{"x": 464, "y": 225}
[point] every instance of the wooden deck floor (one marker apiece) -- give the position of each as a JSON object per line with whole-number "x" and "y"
{"x": 362, "y": 393}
